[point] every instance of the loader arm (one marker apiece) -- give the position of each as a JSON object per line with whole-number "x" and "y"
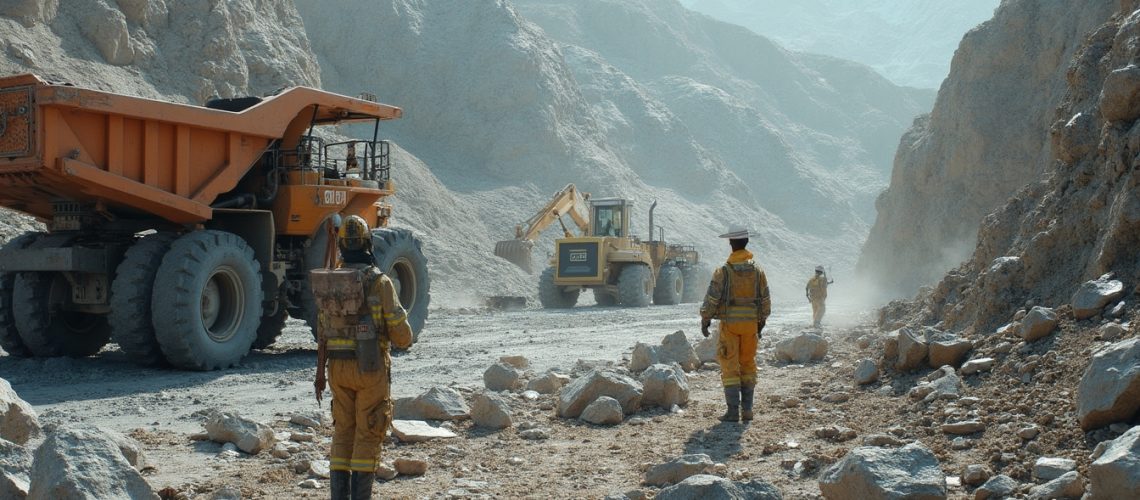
{"x": 565, "y": 201}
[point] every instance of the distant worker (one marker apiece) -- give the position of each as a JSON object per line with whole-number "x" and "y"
{"x": 817, "y": 293}
{"x": 351, "y": 164}
{"x": 738, "y": 297}
{"x": 613, "y": 225}
{"x": 359, "y": 316}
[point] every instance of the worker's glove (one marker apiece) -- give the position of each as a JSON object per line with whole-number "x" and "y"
{"x": 319, "y": 386}
{"x": 760, "y": 329}
{"x": 705, "y": 323}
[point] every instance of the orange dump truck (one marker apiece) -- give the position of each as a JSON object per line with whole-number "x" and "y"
{"x": 183, "y": 233}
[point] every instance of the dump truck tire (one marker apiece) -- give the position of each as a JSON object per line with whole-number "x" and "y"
{"x": 518, "y": 252}
{"x": 696, "y": 284}
{"x": 634, "y": 285}
{"x": 207, "y": 300}
{"x": 270, "y": 328}
{"x": 553, "y": 296}
{"x": 398, "y": 254}
{"x": 131, "y": 297}
{"x": 47, "y": 332}
{"x": 670, "y": 286}
{"x": 9, "y": 337}
{"x": 604, "y": 298}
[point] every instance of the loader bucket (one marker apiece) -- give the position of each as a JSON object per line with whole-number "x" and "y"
{"x": 516, "y": 251}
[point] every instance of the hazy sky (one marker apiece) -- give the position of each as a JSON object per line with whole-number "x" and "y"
{"x": 909, "y": 41}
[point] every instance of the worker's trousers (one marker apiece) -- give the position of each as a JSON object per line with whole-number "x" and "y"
{"x": 736, "y": 353}
{"x": 817, "y": 310}
{"x": 362, "y": 411}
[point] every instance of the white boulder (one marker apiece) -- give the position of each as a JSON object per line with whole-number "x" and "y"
{"x": 18, "y": 421}
{"x": 491, "y": 411}
{"x": 1091, "y": 297}
{"x": 248, "y": 435}
{"x": 603, "y": 411}
{"x": 502, "y": 377}
{"x": 584, "y": 390}
{"x": 1110, "y": 387}
{"x": 664, "y": 386}
{"x": 801, "y": 348}
{"x": 872, "y": 473}
{"x": 1116, "y": 473}
{"x": 1040, "y": 322}
{"x": 81, "y": 461}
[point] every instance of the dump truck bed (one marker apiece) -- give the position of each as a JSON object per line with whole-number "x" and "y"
{"x": 124, "y": 154}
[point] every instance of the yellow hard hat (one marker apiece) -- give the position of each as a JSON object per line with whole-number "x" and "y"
{"x": 353, "y": 234}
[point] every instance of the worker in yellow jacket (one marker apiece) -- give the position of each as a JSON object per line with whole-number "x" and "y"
{"x": 359, "y": 318}
{"x": 737, "y": 297}
{"x": 816, "y": 291}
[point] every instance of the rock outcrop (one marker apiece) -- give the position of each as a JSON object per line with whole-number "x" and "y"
{"x": 1082, "y": 188}
{"x": 966, "y": 158}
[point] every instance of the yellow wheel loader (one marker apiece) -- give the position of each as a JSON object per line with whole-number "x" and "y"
{"x": 619, "y": 267}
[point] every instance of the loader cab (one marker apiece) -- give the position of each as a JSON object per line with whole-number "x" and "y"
{"x": 610, "y": 217}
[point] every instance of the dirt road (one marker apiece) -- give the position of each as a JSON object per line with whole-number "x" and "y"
{"x": 454, "y": 349}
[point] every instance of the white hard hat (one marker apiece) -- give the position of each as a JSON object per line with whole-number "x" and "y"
{"x": 819, "y": 269}
{"x": 738, "y": 233}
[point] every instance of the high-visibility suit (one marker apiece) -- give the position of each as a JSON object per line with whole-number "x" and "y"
{"x": 738, "y": 297}
{"x": 362, "y": 405}
{"x": 817, "y": 293}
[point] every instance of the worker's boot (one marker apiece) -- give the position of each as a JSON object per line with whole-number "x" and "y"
{"x": 732, "y": 398}
{"x": 362, "y": 485}
{"x": 746, "y": 396}
{"x": 339, "y": 484}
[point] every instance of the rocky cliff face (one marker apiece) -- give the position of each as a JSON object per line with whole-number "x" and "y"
{"x": 642, "y": 99}
{"x": 183, "y": 51}
{"x": 505, "y": 112}
{"x": 187, "y": 50}
{"x": 1081, "y": 218}
{"x": 987, "y": 136}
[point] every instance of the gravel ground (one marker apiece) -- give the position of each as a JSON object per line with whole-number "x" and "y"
{"x": 164, "y": 408}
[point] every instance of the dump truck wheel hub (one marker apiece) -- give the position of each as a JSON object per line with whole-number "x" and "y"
{"x": 223, "y": 304}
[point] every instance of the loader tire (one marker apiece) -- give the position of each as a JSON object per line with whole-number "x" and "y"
{"x": 553, "y": 296}
{"x": 131, "y": 296}
{"x": 634, "y": 285}
{"x": 696, "y": 284}
{"x": 46, "y": 329}
{"x": 207, "y": 300}
{"x": 398, "y": 254}
{"x": 670, "y": 286}
{"x": 9, "y": 337}
{"x": 270, "y": 328}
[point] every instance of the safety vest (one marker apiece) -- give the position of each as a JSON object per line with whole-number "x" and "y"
{"x": 343, "y": 297}
{"x": 741, "y": 298}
